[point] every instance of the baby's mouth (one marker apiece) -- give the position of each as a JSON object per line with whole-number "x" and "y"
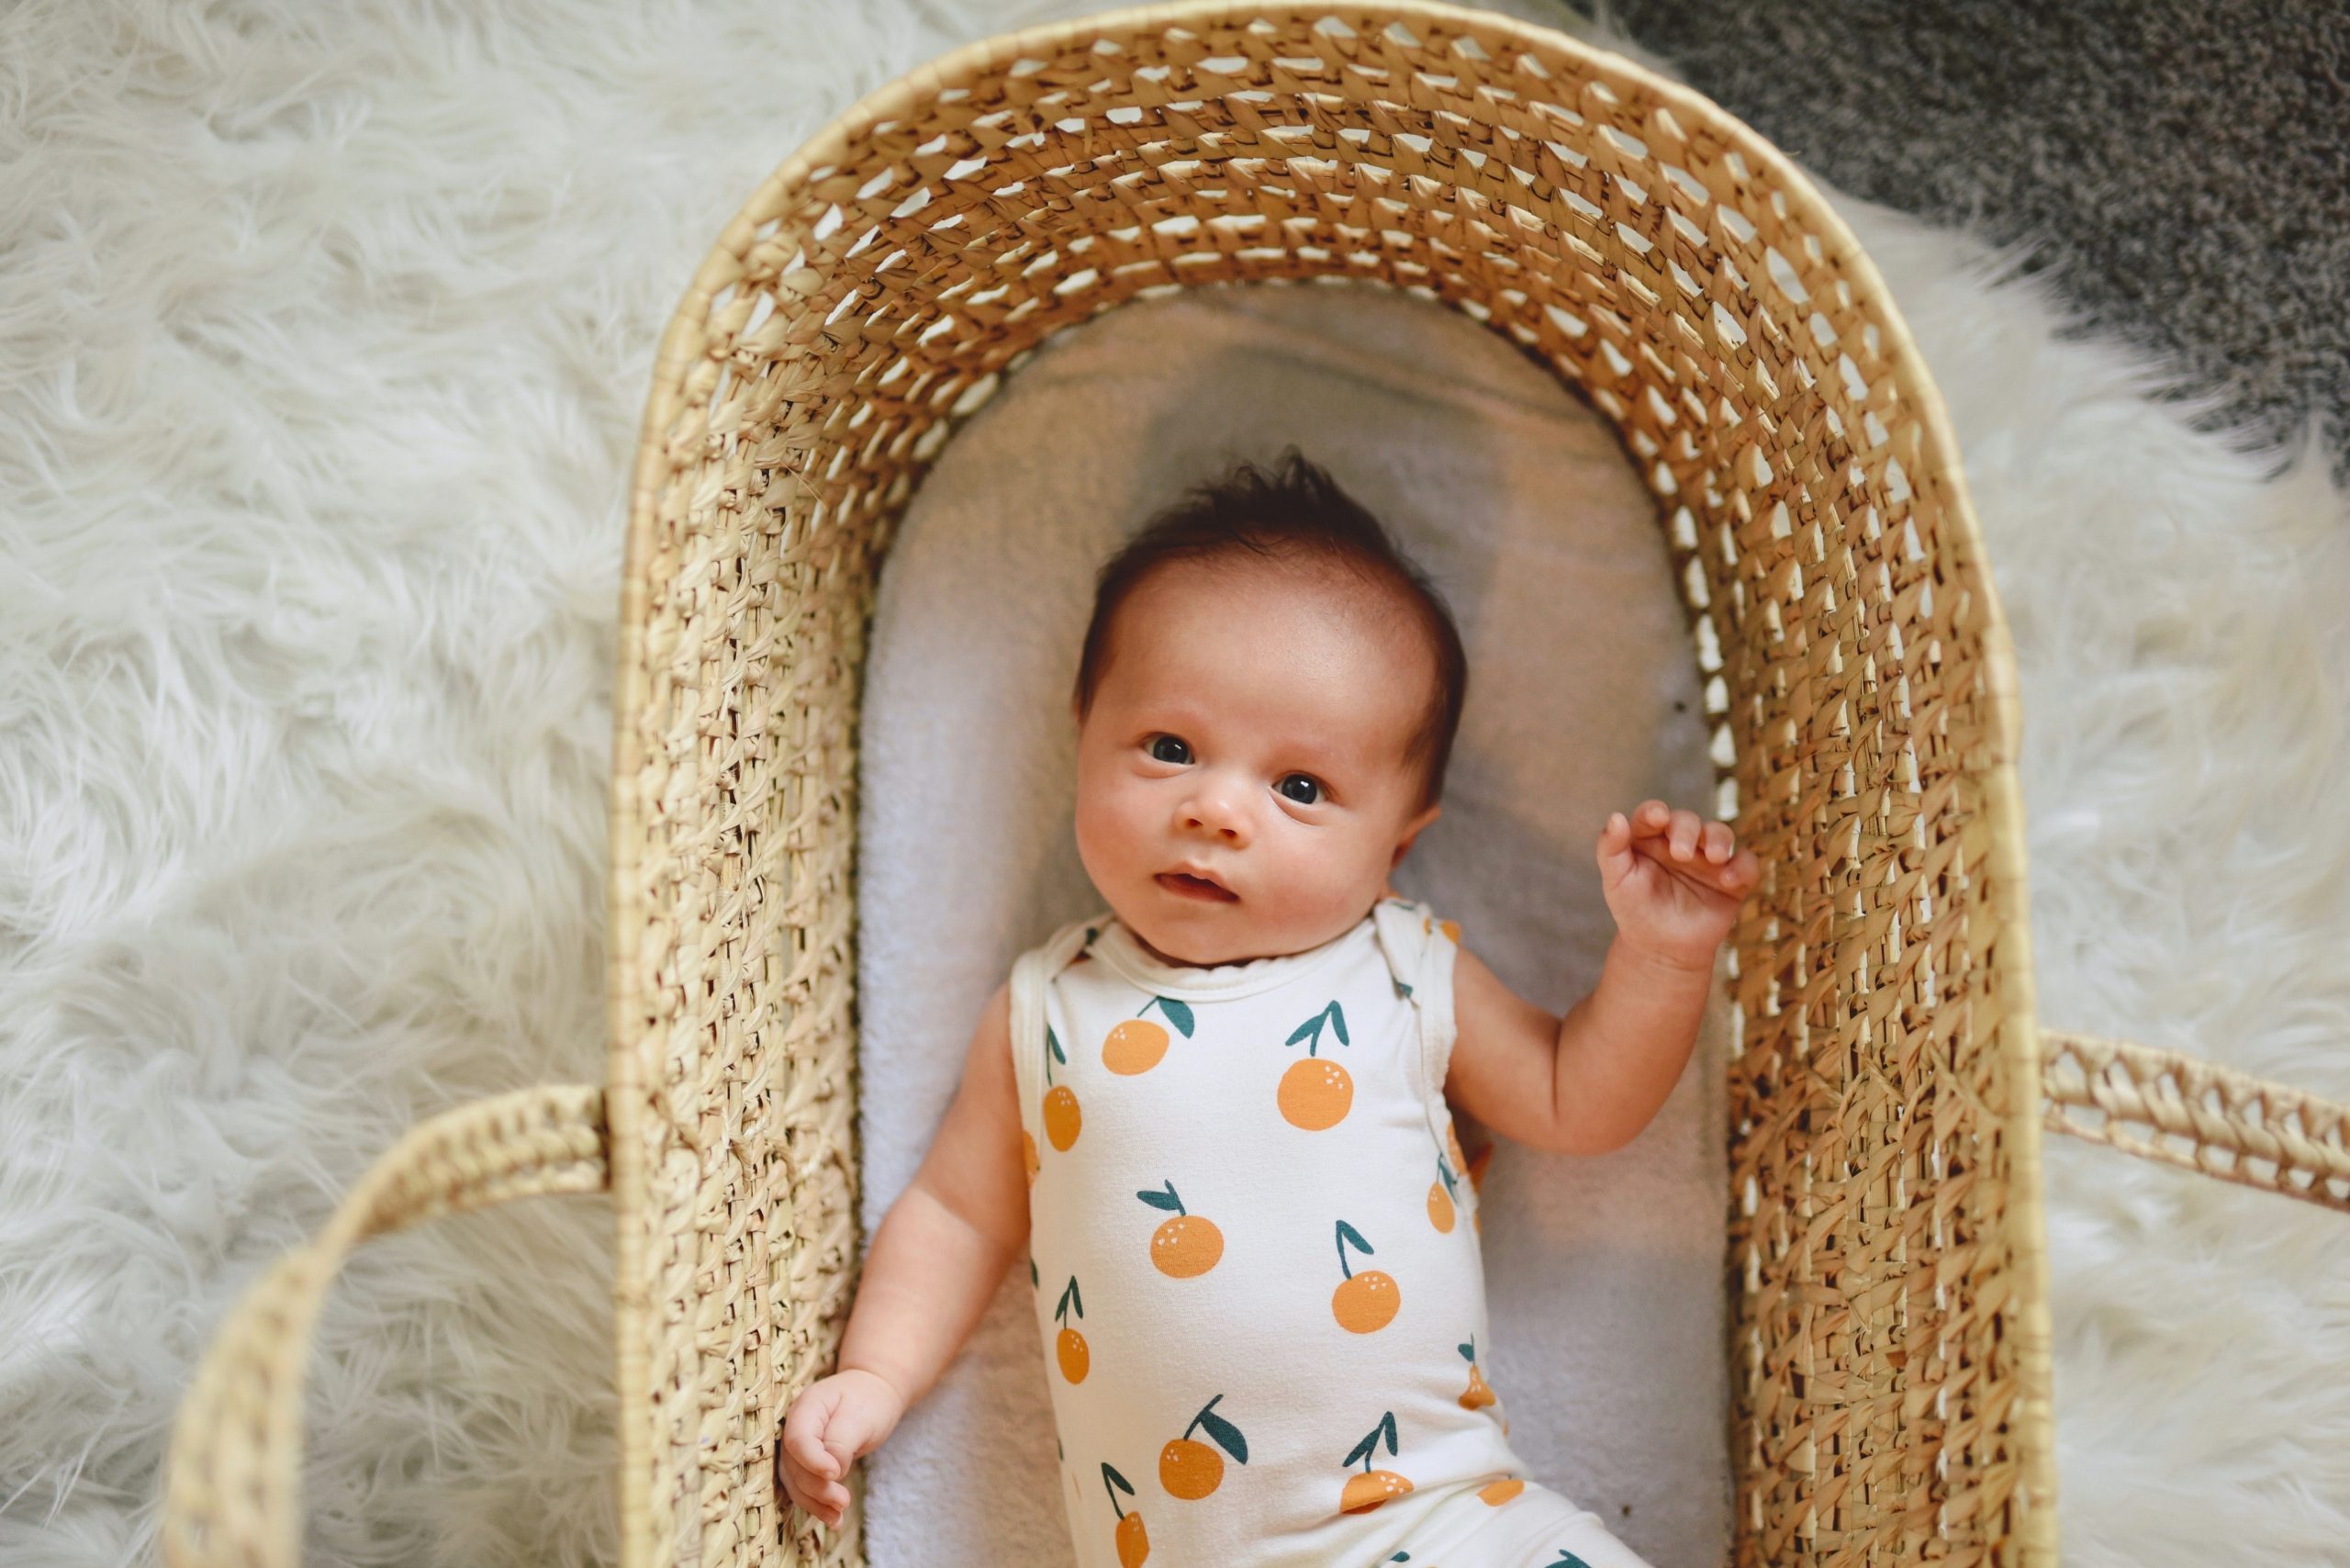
{"x": 1184, "y": 885}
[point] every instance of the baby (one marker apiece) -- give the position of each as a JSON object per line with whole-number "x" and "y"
{"x": 1218, "y": 1113}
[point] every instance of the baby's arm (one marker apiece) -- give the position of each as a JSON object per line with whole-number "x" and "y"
{"x": 1588, "y": 1083}
{"x": 1585, "y": 1085}
{"x": 935, "y": 1264}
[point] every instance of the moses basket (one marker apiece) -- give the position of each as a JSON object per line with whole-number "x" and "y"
{"x": 1887, "y": 1081}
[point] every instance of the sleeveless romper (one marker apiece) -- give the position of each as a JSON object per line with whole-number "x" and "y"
{"x": 1255, "y": 1260}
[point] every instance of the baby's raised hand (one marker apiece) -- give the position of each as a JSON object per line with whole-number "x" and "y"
{"x": 834, "y": 1421}
{"x": 1673, "y": 882}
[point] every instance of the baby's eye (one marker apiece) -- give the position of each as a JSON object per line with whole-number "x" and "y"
{"x": 1157, "y": 754}
{"x": 1306, "y": 779}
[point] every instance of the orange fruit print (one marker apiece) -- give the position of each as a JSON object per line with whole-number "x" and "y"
{"x": 1134, "y": 1544}
{"x": 1316, "y": 1093}
{"x": 1061, "y": 1117}
{"x": 1363, "y": 1303}
{"x": 1189, "y": 1469}
{"x": 1186, "y": 1246}
{"x": 1477, "y": 1395}
{"x": 1136, "y": 1044}
{"x": 1069, "y": 1348}
{"x": 1365, "y": 1492}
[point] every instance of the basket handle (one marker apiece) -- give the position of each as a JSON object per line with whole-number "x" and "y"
{"x": 2181, "y": 1111}
{"x": 233, "y": 1495}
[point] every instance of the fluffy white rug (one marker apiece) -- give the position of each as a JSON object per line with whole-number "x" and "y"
{"x": 323, "y": 338}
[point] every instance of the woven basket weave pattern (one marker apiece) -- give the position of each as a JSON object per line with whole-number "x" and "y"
{"x": 1889, "y": 1354}
{"x": 1884, "y": 1264}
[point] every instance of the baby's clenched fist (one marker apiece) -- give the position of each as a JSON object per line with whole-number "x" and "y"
{"x": 835, "y": 1421}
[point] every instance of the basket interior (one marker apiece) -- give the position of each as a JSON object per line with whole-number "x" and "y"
{"x": 1888, "y": 1347}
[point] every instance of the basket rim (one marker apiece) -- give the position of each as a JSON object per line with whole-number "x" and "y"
{"x": 678, "y": 351}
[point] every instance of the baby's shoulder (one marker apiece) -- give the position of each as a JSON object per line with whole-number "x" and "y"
{"x": 1415, "y": 928}
{"x": 1033, "y": 970}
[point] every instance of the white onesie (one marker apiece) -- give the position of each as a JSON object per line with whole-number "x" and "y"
{"x": 1255, "y": 1262}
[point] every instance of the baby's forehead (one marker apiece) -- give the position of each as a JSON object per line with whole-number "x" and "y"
{"x": 1356, "y": 623}
{"x": 1245, "y": 579}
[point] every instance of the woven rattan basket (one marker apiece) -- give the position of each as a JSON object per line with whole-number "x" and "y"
{"x": 1883, "y": 1261}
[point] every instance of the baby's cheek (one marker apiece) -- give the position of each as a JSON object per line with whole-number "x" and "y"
{"x": 1096, "y": 840}
{"x": 1322, "y": 882}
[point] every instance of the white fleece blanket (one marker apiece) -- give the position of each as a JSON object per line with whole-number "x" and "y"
{"x": 323, "y": 350}
{"x": 1606, "y": 1273}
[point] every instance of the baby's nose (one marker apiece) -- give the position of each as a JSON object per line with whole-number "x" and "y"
{"x": 1217, "y": 814}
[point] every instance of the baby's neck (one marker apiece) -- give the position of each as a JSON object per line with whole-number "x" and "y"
{"x": 1145, "y": 943}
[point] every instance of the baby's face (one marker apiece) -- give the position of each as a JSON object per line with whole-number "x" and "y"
{"x": 1251, "y": 726}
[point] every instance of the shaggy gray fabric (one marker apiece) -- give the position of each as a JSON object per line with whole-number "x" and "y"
{"x": 2182, "y": 167}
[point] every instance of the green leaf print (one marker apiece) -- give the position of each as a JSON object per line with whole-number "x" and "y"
{"x": 1313, "y": 1027}
{"x": 1069, "y": 1298}
{"x": 1567, "y": 1560}
{"x": 1166, "y": 1200}
{"x": 1369, "y": 1445}
{"x": 1122, "y": 1485}
{"x": 1177, "y": 1013}
{"x": 1226, "y": 1434}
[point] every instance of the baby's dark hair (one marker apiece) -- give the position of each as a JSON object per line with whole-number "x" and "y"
{"x": 1296, "y": 512}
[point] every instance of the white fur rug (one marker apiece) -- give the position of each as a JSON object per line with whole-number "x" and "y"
{"x": 322, "y": 347}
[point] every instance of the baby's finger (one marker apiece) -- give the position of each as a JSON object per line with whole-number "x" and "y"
{"x": 811, "y": 1492}
{"x": 1682, "y": 835}
{"x": 1734, "y": 877}
{"x": 807, "y": 1449}
{"x": 796, "y": 1482}
{"x": 842, "y": 1459}
{"x": 1717, "y": 841}
{"x": 803, "y": 1431}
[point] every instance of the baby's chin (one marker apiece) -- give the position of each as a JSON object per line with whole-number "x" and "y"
{"x": 1206, "y": 931}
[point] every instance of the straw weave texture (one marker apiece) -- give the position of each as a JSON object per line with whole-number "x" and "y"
{"x": 1883, "y": 1262}
{"x": 1889, "y": 1350}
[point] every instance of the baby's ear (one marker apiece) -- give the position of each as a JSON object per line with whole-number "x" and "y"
{"x": 1411, "y": 832}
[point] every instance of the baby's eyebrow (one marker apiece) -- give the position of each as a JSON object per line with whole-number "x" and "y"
{"x": 1320, "y": 754}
